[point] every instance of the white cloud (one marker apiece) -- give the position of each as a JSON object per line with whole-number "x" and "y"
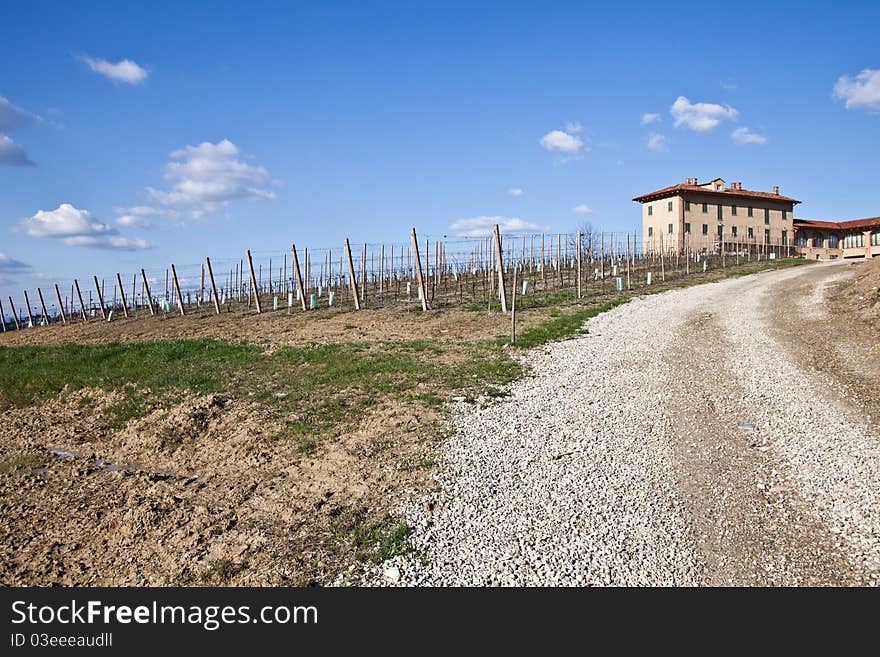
{"x": 515, "y": 191}
{"x": 109, "y": 242}
{"x": 658, "y": 143}
{"x": 209, "y": 176}
{"x": 8, "y": 265}
{"x": 122, "y": 71}
{"x": 700, "y": 116}
{"x": 583, "y": 208}
{"x": 574, "y": 127}
{"x": 13, "y": 117}
{"x": 136, "y": 217}
{"x": 861, "y": 92}
{"x": 650, "y": 117}
{"x": 746, "y": 136}
{"x": 12, "y": 154}
{"x": 76, "y": 227}
{"x": 484, "y": 226}
{"x": 558, "y": 140}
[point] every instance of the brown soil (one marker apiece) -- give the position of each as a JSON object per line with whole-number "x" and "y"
{"x": 196, "y": 494}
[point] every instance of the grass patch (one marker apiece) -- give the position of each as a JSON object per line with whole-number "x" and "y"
{"x": 20, "y": 462}
{"x": 378, "y": 541}
{"x": 32, "y": 374}
{"x": 563, "y": 326}
{"x": 219, "y": 571}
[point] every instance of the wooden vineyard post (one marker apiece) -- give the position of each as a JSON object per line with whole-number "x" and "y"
{"x": 43, "y": 306}
{"x": 213, "y": 286}
{"x": 381, "y": 267}
{"x": 559, "y": 258}
{"x": 122, "y": 293}
{"x": 513, "y": 309}
{"x": 499, "y": 261}
{"x": 60, "y": 305}
{"x": 420, "y": 277}
{"x": 603, "y": 260}
{"x": 2, "y": 318}
{"x": 628, "y": 286}
{"x": 662, "y": 265}
{"x": 299, "y": 278}
{"x": 202, "y": 288}
{"x": 180, "y": 297}
{"x": 14, "y": 315}
{"x": 578, "y": 266}
{"x": 351, "y": 276}
{"x": 27, "y": 303}
{"x": 543, "y": 273}
{"x": 254, "y": 283}
{"x": 364, "y": 274}
{"x": 82, "y": 306}
{"x": 148, "y": 293}
{"x": 100, "y": 298}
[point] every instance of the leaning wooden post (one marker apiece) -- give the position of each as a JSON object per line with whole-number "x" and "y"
{"x": 500, "y": 263}
{"x": 213, "y": 286}
{"x": 254, "y": 282}
{"x": 419, "y": 276}
{"x": 352, "y": 279}
{"x": 82, "y": 306}
{"x": 43, "y": 306}
{"x": 100, "y": 298}
{"x": 299, "y": 278}
{"x": 513, "y": 309}
{"x": 14, "y": 315}
{"x": 27, "y": 303}
{"x": 148, "y": 293}
{"x": 578, "y": 265}
{"x": 180, "y": 296}
{"x": 122, "y": 292}
{"x": 2, "y": 318}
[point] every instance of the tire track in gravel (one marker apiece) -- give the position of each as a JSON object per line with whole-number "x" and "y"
{"x": 751, "y": 526}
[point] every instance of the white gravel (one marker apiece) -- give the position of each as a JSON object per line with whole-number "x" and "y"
{"x": 568, "y": 481}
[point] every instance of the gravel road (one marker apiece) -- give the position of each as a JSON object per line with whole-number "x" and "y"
{"x": 620, "y": 459}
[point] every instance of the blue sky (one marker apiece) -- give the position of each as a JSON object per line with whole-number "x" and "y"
{"x": 231, "y": 126}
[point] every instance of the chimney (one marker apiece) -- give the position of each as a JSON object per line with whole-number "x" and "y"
{"x": 776, "y": 189}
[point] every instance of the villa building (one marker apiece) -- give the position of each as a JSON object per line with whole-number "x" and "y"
{"x": 707, "y": 217}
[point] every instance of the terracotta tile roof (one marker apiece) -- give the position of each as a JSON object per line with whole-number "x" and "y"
{"x": 674, "y": 190}
{"x": 870, "y": 222}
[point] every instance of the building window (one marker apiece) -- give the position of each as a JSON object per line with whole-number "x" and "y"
{"x": 751, "y": 232}
{"x": 705, "y": 207}
{"x": 687, "y": 229}
{"x": 705, "y": 229}
{"x": 733, "y": 210}
{"x": 687, "y": 205}
{"x": 785, "y": 238}
{"x": 817, "y": 241}
{"x": 670, "y": 229}
{"x": 784, "y": 215}
{"x": 669, "y": 206}
{"x": 720, "y": 212}
{"x": 833, "y": 241}
{"x": 650, "y": 231}
{"x": 650, "y": 210}
{"x": 720, "y": 232}
{"x": 875, "y": 238}
{"x": 733, "y": 230}
{"x": 766, "y": 215}
{"x": 801, "y": 240}
{"x": 751, "y": 212}
{"x": 766, "y": 236}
